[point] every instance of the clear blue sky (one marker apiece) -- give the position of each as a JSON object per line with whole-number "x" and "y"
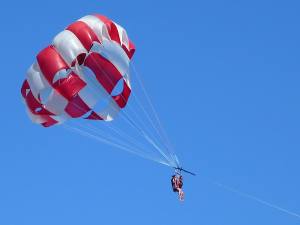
{"x": 224, "y": 76}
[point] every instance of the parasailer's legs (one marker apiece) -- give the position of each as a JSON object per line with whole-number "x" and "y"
{"x": 181, "y": 194}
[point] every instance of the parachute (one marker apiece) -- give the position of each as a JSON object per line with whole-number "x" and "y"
{"x": 84, "y": 76}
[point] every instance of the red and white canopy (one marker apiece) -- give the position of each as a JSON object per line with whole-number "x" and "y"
{"x": 83, "y": 67}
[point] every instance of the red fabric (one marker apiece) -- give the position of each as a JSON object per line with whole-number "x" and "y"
{"x": 111, "y": 28}
{"x": 70, "y": 86}
{"x": 94, "y": 116}
{"x": 34, "y": 104}
{"x": 114, "y": 34}
{"x": 50, "y": 62}
{"x": 79, "y": 59}
{"x": 122, "y": 98}
{"x": 104, "y": 19}
{"x": 131, "y": 50}
{"x": 76, "y": 107}
{"x": 84, "y": 33}
{"x": 106, "y": 73}
{"x": 24, "y": 87}
{"x": 50, "y": 122}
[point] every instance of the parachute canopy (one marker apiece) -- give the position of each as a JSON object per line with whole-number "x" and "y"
{"x": 84, "y": 73}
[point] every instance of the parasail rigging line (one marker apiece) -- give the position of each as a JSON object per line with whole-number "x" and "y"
{"x": 132, "y": 151}
{"x": 259, "y": 200}
{"x": 134, "y": 124}
{"x": 160, "y": 128}
{"x": 165, "y": 141}
{"x": 116, "y": 143}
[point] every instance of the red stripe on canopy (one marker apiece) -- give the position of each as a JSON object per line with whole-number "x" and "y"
{"x": 84, "y": 33}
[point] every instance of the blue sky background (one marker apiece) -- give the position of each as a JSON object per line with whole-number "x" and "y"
{"x": 224, "y": 77}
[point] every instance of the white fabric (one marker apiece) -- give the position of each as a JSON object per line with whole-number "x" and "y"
{"x": 36, "y": 80}
{"x": 35, "y": 118}
{"x": 60, "y": 75}
{"x": 94, "y": 93}
{"x": 110, "y": 112}
{"x": 114, "y": 53}
{"x": 61, "y": 118}
{"x": 68, "y": 46}
{"x": 96, "y": 25}
{"x": 123, "y": 36}
{"x": 56, "y": 103}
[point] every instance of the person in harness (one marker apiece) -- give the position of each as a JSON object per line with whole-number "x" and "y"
{"x": 177, "y": 183}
